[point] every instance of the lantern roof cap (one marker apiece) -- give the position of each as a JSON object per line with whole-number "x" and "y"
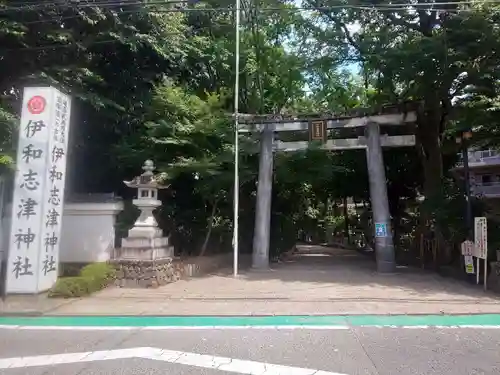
{"x": 147, "y": 180}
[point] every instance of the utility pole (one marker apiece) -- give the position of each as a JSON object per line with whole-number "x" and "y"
{"x": 384, "y": 246}
{"x": 262, "y": 234}
{"x": 236, "y": 188}
{"x": 462, "y": 140}
{"x": 468, "y": 205}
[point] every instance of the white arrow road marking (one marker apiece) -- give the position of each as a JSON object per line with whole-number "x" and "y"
{"x": 238, "y": 366}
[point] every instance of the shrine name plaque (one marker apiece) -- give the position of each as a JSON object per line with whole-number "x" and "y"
{"x": 318, "y": 131}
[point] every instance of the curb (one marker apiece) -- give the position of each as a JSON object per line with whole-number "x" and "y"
{"x": 29, "y": 314}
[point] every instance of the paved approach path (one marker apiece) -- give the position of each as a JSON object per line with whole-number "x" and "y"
{"x": 355, "y": 351}
{"x": 314, "y": 282}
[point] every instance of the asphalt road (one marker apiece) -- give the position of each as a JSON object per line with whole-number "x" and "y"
{"x": 398, "y": 351}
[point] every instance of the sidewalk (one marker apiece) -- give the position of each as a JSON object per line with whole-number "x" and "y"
{"x": 339, "y": 282}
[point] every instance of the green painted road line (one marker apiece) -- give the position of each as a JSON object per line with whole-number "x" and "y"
{"x": 174, "y": 321}
{"x": 424, "y": 320}
{"x": 408, "y": 321}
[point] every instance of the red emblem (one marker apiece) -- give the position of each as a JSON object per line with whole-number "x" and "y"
{"x": 36, "y": 105}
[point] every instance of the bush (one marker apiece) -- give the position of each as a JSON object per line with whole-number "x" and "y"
{"x": 92, "y": 278}
{"x": 70, "y": 269}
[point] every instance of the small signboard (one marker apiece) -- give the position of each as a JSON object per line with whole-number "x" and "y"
{"x": 380, "y": 230}
{"x": 467, "y": 248}
{"x": 318, "y": 131}
{"x": 481, "y": 246}
{"x": 481, "y": 237}
{"x": 469, "y": 264}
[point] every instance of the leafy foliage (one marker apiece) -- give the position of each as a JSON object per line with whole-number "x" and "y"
{"x": 153, "y": 82}
{"x": 92, "y": 278}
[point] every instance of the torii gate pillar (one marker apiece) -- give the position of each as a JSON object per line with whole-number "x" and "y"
{"x": 262, "y": 234}
{"x": 384, "y": 245}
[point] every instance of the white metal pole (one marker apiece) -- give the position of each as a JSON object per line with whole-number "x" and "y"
{"x": 236, "y": 139}
{"x": 485, "y": 282}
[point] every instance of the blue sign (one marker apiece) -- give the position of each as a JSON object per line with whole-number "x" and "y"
{"x": 380, "y": 230}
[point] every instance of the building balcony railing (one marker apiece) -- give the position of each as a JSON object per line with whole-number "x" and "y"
{"x": 481, "y": 158}
{"x": 490, "y": 190}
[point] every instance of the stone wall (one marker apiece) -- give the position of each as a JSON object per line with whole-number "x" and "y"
{"x": 145, "y": 273}
{"x": 197, "y": 266}
{"x": 88, "y": 232}
{"x": 152, "y": 274}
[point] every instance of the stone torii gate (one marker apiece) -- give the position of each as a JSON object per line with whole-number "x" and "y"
{"x": 318, "y": 128}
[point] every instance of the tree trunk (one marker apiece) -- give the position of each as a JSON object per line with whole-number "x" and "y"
{"x": 346, "y": 221}
{"x": 325, "y": 230}
{"x": 209, "y": 229}
{"x": 429, "y": 141}
{"x": 367, "y": 228}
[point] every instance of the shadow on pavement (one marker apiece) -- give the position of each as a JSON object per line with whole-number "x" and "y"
{"x": 317, "y": 280}
{"x": 324, "y": 268}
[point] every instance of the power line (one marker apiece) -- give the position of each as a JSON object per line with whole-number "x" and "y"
{"x": 57, "y": 46}
{"x": 184, "y": 10}
{"x": 96, "y": 4}
{"x": 190, "y": 32}
{"x": 80, "y": 44}
{"x": 274, "y": 9}
{"x": 89, "y": 4}
{"x": 113, "y": 4}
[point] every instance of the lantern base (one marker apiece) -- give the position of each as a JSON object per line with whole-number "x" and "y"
{"x": 145, "y": 248}
{"x": 144, "y": 232}
{"x": 144, "y": 262}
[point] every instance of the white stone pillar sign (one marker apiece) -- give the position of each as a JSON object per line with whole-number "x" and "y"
{"x": 39, "y": 191}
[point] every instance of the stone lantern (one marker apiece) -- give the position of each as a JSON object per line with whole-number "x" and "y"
{"x": 147, "y": 201}
{"x": 145, "y": 258}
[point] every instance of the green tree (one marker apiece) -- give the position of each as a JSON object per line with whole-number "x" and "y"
{"x": 428, "y": 52}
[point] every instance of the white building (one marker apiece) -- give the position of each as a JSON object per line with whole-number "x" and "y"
{"x": 484, "y": 173}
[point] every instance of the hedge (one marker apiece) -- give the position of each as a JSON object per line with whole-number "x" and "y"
{"x": 92, "y": 278}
